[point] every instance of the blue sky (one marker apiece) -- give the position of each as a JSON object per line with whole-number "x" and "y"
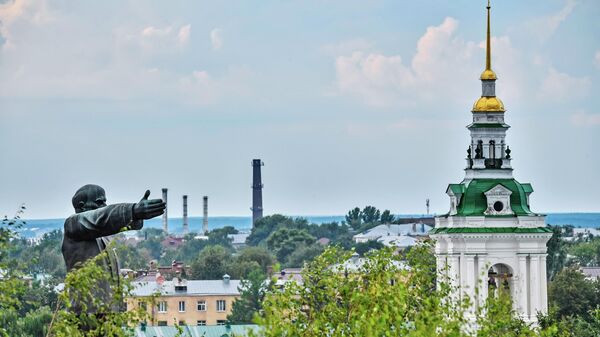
{"x": 347, "y": 102}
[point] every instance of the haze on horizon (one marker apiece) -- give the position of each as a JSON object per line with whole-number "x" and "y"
{"x": 348, "y": 103}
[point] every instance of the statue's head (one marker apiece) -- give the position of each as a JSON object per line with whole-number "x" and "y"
{"x": 89, "y": 197}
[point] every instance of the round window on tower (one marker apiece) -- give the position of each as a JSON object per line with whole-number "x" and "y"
{"x": 498, "y": 206}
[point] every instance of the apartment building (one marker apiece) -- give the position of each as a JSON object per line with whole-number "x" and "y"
{"x": 185, "y": 302}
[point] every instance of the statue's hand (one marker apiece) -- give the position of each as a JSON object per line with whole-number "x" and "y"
{"x": 148, "y": 209}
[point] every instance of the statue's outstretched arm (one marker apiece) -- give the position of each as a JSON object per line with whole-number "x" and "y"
{"x": 100, "y": 222}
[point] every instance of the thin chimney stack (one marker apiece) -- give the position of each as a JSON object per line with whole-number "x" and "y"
{"x": 257, "y": 205}
{"x": 205, "y": 220}
{"x": 165, "y": 218}
{"x": 185, "y": 215}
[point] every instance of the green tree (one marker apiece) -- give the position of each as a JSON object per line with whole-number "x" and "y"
{"x": 364, "y": 247}
{"x": 89, "y": 305}
{"x": 370, "y": 215}
{"x": 586, "y": 253}
{"x": 570, "y": 294}
{"x": 331, "y": 302}
{"x": 381, "y": 298}
{"x": 189, "y": 250}
{"x": 387, "y": 217}
{"x": 241, "y": 269}
{"x": 153, "y": 244}
{"x": 260, "y": 255}
{"x": 252, "y": 292}
{"x": 303, "y": 254}
{"x": 268, "y": 224}
{"x": 212, "y": 263}
{"x": 557, "y": 253}
{"x": 354, "y": 218}
{"x": 132, "y": 257}
{"x": 219, "y": 236}
{"x": 286, "y": 240}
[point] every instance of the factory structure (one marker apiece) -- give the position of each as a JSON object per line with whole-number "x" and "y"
{"x": 186, "y": 223}
{"x": 257, "y": 186}
{"x": 257, "y": 202}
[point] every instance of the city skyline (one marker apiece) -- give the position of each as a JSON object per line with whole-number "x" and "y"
{"x": 349, "y": 104}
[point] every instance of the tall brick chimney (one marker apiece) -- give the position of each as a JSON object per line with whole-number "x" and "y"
{"x": 257, "y": 185}
{"x": 205, "y": 219}
{"x": 165, "y": 218}
{"x": 185, "y": 215}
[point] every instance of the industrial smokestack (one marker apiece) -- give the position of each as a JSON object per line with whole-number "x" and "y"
{"x": 257, "y": 205}
{"x": 165, "y": 218}
{"x": 185, "y": 216}
{"x": 205, "y": 220}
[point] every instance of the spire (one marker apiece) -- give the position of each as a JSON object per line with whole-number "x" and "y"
{"x": 488, "y": 101}
{"x": 488, "y": 73}
{"x": 488, "y": 47}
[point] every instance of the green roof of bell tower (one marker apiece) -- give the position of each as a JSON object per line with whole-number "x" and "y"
{"x": 473, "y": 201}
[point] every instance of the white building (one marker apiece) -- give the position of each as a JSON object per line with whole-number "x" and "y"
{"x": 392, "y": 235}
{"x": 490, "y": 237}
{"x": 238, "y": 240}
{"x": 392, "y": 230}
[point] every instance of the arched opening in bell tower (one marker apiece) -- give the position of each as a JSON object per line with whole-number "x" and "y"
{"x": 500, "y": 280}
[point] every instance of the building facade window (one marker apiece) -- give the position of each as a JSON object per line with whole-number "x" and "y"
{"x": 162, "y": 306}
{"x": 221, "y": 305}
{"x": 181, "y": 306}
{"x": 221, "y": 322}
{"x": 201, "y": 305}
{"x": 142, "y": 305}
{"x": 181, "y": 322}
{"x": 201, "y": 323}
{"x": 162, "y": 323}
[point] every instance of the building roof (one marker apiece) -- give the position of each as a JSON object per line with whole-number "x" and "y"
{"x": 400, "y": 241}
{"x": 586, "y": 231}
{"x": 395, "y": 230}
{"x": 491, "y": 230}
{"x": 474, "y": 201}
{"x": 354, "y": 263}
{"x": 591, "y": 272}
{"x": 194, "y": 287}
{"x": 323, "y": 241}
{"x": 197, "y": 331}
{"x": 238, "y": 239}
{"x": 287, "y": 275}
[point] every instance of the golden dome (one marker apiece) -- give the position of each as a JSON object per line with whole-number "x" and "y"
{"x": 485, "y": 104}
{"x": 488, "y": 74}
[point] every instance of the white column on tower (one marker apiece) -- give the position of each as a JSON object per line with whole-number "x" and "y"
{"x": 534, "y": 273}
{"x": 523, "y": 281}
{"x": 470, "y": 278}
{"x": 543, "y": 285}
{"x": 454, "y": 270}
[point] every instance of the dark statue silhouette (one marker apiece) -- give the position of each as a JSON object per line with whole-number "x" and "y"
{"x": 87, "y": 231}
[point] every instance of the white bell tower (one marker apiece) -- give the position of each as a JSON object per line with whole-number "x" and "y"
{"x": 490, "y": 238}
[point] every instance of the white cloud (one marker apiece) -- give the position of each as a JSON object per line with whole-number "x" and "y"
{"x": 13, "y": 11}
{"x": 561, "y": 87}
{"x": 184, "y": 34}
{"x": 216, "y": 38}
{"x": 545, "y": 27}
{"x": 584, "y": 119}
{"x": 441, "y": 61}
{"x": 597, "y": 59}
{"x": 163, "y": 39}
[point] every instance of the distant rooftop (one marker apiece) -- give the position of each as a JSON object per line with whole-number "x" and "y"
{"x": 591, "y": 272}
{"x": 415, "y": 229}
{"x": 355, "y": 262}
{"x": 238, "y": 239}
{"x": 198, "y": 331}
{"x": 194, "y": 287}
